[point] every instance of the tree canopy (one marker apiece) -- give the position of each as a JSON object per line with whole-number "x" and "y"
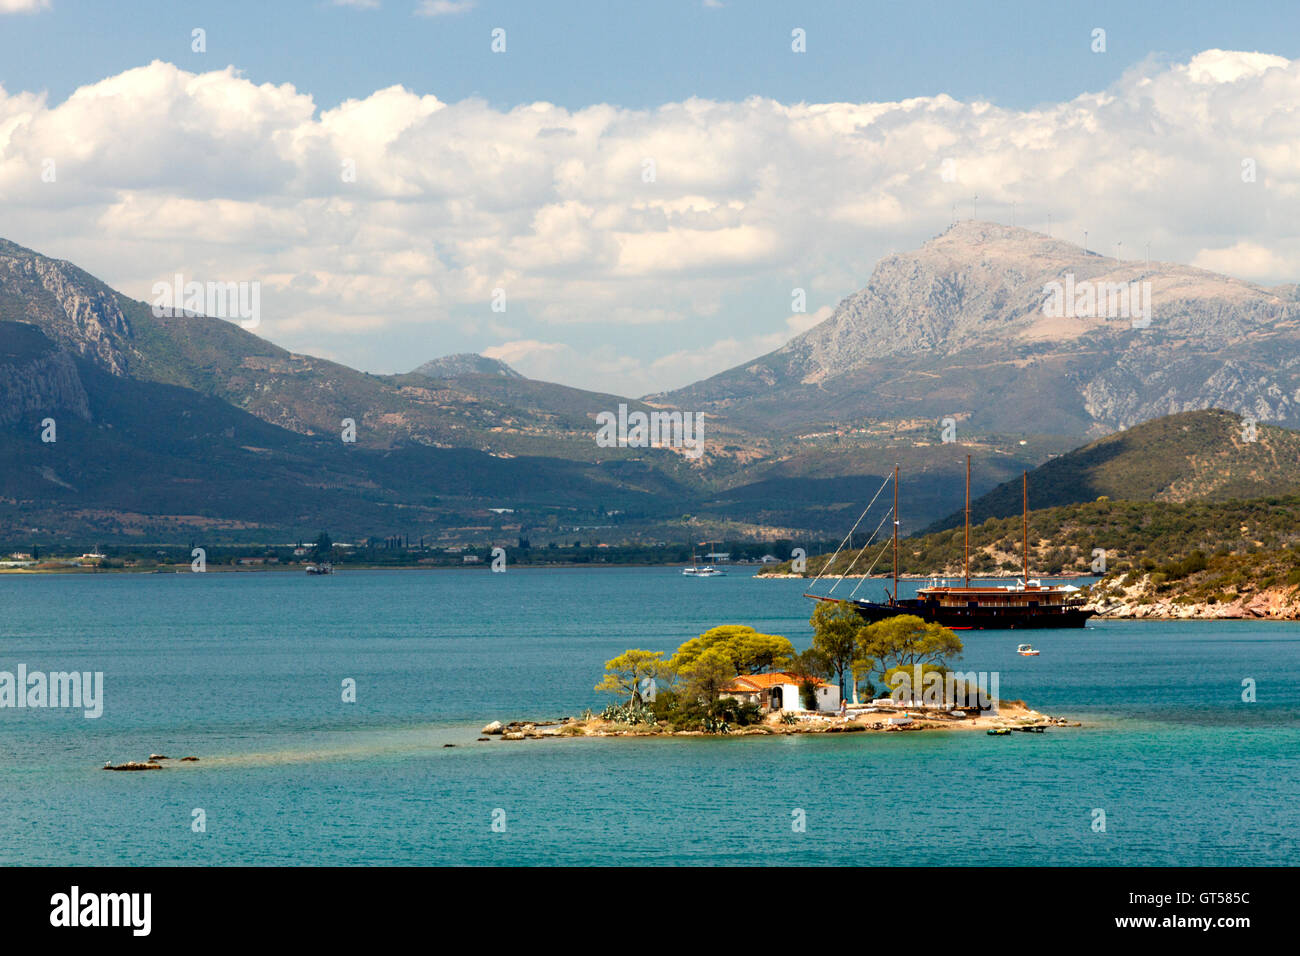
{"x": 835, "y": 629}
{"x": 904, "y": 641}
{"x": 708, "y": 673}
{"x": 624, "y": 674}
{"x": 748, "y": 651}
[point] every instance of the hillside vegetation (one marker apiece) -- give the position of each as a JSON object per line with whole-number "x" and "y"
{"x": 1211, "y": 454}
{"x": 1142, "y": 535}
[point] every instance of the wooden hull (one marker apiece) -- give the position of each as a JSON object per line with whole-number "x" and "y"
{"x": 977, "y": 618}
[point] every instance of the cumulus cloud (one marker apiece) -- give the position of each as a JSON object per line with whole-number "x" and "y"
{"x": 632, "y": 250}
{"x": 23, "y": 6}
{"x": 442, "y": 8}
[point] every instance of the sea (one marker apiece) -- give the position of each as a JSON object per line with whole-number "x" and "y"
{"x": 320, "y": 709}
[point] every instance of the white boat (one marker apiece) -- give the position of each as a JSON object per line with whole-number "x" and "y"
{"x": 697, "y": 570}
{"x": 707, "y": 571}
{"x": 1026, "y": 650}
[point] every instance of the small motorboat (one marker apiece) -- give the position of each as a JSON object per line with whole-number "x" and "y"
{"x": 1026, "y": 650}
{"x": 998, "y": 732}
{"x": 323, "y": 568}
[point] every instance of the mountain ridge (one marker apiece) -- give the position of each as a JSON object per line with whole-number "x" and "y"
{"x": 935, "y": 328}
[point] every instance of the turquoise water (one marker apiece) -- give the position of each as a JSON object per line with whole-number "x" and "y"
{"x": 244, "y": 671}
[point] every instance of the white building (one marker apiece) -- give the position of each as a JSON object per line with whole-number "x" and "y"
{"x": 780, "y": 691}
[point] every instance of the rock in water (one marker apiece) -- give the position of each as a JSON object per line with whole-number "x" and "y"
{"x": 492, "y": 728}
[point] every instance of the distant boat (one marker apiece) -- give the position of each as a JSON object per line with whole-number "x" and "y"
{"x": 697, "y": 570}
{"x": 323, "y": 568}
{"x": 707, "y": 571}
{"x": 1026, "y": 604}
{"x": 998, "y": 732}
{"x": 1026, "y": 650}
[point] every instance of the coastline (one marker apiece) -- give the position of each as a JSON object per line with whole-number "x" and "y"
{"x": 1138, "y": 602}
{"x": 877, "y": 717}
{"x": 300, "y": 569}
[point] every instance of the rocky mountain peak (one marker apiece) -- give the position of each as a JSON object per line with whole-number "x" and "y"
{"x": 465, "y": 363}
{"x": 76, "y": 310}
{"x": 982, "y": 284}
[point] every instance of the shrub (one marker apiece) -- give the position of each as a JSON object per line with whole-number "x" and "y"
{"x": 630, "y": 714}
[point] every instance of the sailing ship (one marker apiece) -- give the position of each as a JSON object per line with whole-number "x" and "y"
{"x": 697, "y": 570}
{"x": 1026, "y": 604}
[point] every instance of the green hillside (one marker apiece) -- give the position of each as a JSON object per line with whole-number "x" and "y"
{"x": 1183, "y": 457}
{"x": 1134, "y": 534}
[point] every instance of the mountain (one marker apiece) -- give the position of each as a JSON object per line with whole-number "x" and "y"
{"x": 464, "y": 363}
{"x": 156, "y": 462}
{"x": 960, "y": 327}
{"x": 796, "y": 442}
{"x": 302, "y": 393}
{"x": 747, "y": 484}
{"x": 1210, "y": 455}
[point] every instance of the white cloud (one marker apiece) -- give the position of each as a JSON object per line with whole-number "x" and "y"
{"x": 614, "y": 278}
{"x": 1249, "y": 260}
{"x": 442, "y": 8}
{"x": 23, "y": 6}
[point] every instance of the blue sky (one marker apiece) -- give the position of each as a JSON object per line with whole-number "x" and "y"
{"x": 772, "y": 171}
{"x": 638, "y": 54}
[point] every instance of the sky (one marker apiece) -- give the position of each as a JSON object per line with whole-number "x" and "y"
{"x": 626, "y": 196}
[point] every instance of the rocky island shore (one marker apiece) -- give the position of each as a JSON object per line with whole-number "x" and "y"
{"x": 1148, "y": 598}
{"x": 876, "y": 717}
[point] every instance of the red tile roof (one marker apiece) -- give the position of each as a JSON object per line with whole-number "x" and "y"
{"x": 749, "y": 683}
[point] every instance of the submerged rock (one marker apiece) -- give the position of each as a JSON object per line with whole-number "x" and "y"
{"x": 183, "y": 759}
{"x": 133, "y": 765}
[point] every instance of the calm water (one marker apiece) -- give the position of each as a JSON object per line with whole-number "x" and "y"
{"x": 244, "y": 671}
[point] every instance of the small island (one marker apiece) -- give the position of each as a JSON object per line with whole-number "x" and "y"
{"x": 734, "y": 681}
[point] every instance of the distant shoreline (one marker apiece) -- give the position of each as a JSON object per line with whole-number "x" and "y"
{"x": 341, "y": 569}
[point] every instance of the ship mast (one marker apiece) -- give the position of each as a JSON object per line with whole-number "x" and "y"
{"x": 967, "y": 551}
{"x": 895, "y": 533}
{"x": 1026, "y": 519}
